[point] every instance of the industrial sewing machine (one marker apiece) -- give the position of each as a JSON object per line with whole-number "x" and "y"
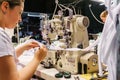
{"x": 66, "y": 37}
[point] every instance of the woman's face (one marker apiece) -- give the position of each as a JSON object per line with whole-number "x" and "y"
{"x": 13, "y": 16}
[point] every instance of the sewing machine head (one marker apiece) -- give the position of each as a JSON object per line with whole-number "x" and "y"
{"x": 66, "y": 35}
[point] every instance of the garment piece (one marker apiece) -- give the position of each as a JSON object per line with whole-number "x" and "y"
{"x": 6, "y": 46}
{"x": 118, "y": 54}
{"x": 108, "y": 45}
{"x": 118, "y": 65}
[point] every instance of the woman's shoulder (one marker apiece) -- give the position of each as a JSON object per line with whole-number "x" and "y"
{"x": 4, "y": 36}
{"x": 6, "y": 47}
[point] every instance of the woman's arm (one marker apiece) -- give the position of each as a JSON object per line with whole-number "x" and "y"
{"x": 8, "y": 68}
{"x": 28, "y": 71}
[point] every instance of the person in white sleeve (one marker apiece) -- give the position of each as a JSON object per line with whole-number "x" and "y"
{"x": 10, "y": 15}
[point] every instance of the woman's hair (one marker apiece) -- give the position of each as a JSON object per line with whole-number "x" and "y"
{"x": 104, "y": 13}
{"x": 12, "y": 3}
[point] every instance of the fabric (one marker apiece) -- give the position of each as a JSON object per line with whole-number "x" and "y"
{"x": 6, "y": 46}
{"x": 118, "y": 54}
{"x": 108, "y": 45}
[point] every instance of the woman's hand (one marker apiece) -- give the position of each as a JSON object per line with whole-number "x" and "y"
{"x": 26, "y": 46}
{"x": 40, "y": 53}
{"x": 30, "y": 44}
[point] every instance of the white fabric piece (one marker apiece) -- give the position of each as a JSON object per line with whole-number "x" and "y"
{"x": 6, "y": 46}
{"x": 10, "y": 32}
{"x": 108, "y": 45}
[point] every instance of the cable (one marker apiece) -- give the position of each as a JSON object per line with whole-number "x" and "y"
{"x": 73, "y": 9}
{"x": 54, "y": 11}
{"x": 63, "y": 8}
{"x": 56, "y": 1}
{"x": 94, "y": 15}
{"x": 77, "y": 2}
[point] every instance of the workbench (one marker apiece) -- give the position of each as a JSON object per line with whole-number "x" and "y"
{"x": 49, "y": 74}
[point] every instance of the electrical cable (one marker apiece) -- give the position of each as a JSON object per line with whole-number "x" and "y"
{"x": 74, "y": 10}
{"x": 77, "y": 2}
{"x": 54, "y": 11}
{"x": 61, "y": 8}
{"x": 94, "y": 15}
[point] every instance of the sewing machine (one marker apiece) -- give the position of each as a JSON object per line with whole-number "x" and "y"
{"x": 78, "y": 26}
{"x": 67, "y": 36}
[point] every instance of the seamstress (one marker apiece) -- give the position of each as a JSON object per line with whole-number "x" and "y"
{"x": 10, "y": 15}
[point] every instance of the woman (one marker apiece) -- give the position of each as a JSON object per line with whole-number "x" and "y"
{"x": 10, "y": 15}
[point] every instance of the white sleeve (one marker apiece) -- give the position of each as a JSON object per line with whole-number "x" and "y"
{"x": 6, "y": 47}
